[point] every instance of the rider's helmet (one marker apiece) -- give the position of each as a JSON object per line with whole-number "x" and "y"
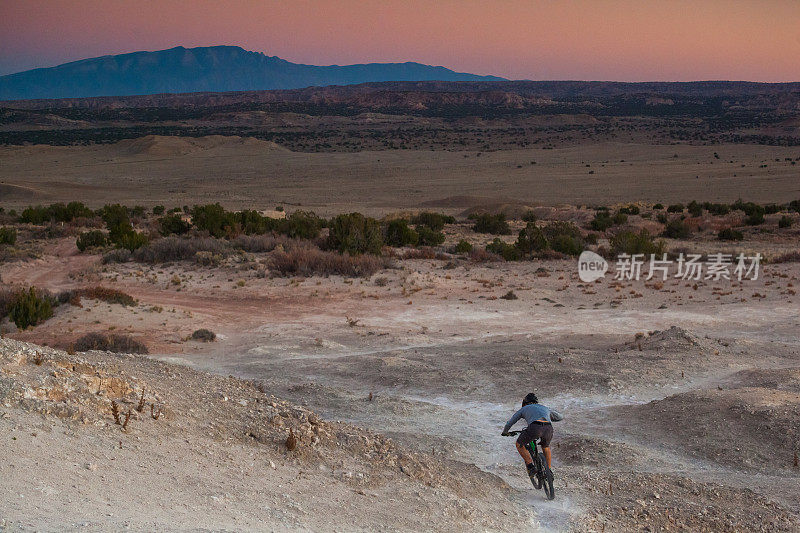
{"x": 529, "y": 398}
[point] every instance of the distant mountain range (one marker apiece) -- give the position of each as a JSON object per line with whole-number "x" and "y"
{"x": 204, "y": 69}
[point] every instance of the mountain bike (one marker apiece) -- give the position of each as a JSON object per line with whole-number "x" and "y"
{"x": 542, "y": 477}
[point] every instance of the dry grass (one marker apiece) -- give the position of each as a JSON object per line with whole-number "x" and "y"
{"x": 173, "y": 248}
{"x": 425, "y": 252}
{"x": 265, "y": 243}
{"x": 479, "y": 255}
{"x": 104, "y": 294}
{"x": 109, "y": 343}
{"x": 311, "y": 261}
{"x": 788, "y": 257}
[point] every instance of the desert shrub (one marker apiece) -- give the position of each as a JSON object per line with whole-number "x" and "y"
{"x": 629, "y": 242}
{"x": 7, "y": 297}
{"x": 173, "y": 224}
{"x": 30, "y": 307}
{"x": 794, "y": 205}
{"x": 529, "y": 216}
{"x": 214, "y": 219}
{"x": 434, "y": 221}
{"x": 771, "y": 209}
{"x": 755, "y": 218}
{"x": 629, "y": 210}
{"x": 492, "y": 224}
{"x": 398, "y": 234}
{"x": 355, "y": 234}
{"x": 261, "y": 243}
{"x": 718, "y": 209}
{"x": 159, "y": 210}
{"x": 35, "y": 215}
{"x": 591, "y": 238}
{"x": 204, "y": 335}
{"x": 785, "y": 222}
{"x": 207, "y": 258}
{"x": 120, "y": 255}
{"x": 619, "y": 218}
{"x": 677, "y": 229}
{"x": 8, "y": 235}
{"x": 109, "y": 343}
{"x": 463, "y": 247}
{"x": 55, "y": 213}
{"x": 730, "y": 234}
{"x": 675, "y": 208}
{"x": 117, "y": 221}
{"x": 312, "y": 261}
{"x": 566, "y": 244}
{"x": 658, "y": 206}
{"x": 601, "y": 222}
{"x": 175, "y": 248}
{"x": 531, "y": 239}
{"x": 663, "y": 218}
{"x": 252, "y": 222}
{"x": 507, "y": 251}
{"x": 755, "y": 213}
{"x": 695, "y": 209}
{"x": 429, "y": 237}
{"x": 301, "y": 225}
{"x": 564, "y": 237}
{"x": 132, "y": 241}
{"x": 91, "y": 239}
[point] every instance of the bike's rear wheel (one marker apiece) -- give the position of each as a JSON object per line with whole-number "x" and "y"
{"x": 537, "y": 478}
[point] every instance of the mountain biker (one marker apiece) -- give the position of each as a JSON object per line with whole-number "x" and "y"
{"x": 539, "y": 419}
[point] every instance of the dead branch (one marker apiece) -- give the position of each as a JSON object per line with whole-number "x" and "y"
{"x": 115, "y": 412}
{"x": 140, "y": 407}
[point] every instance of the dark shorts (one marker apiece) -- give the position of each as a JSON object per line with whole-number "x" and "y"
{"x": 536, "y": 430}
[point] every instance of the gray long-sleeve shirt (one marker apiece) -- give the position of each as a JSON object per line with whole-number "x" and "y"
{"x": 533, "y": 412}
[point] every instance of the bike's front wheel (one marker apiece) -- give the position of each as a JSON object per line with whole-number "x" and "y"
{"x": 549, "y": 490}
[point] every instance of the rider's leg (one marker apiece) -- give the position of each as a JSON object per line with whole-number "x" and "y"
{"x": 526, "y": 456}
{"x": 547, "y": 455}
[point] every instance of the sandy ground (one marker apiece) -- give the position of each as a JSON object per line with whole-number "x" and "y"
{"x": 681, "y": 400}
{"x": 248, "y": 173}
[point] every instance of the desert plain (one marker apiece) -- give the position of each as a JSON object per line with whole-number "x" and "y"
{"x": 374, "y": 399}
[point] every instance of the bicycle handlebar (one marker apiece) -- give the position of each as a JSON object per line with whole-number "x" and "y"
{"x": 513, "y": 433}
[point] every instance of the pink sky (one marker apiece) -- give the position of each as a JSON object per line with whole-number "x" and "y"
{"x": 626, "y": 40}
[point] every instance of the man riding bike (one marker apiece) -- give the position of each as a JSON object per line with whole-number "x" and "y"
{"x": 539, "y": 419}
